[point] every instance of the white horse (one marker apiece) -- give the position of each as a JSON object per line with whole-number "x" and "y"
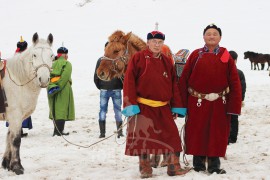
{"x": 26, "y": 74}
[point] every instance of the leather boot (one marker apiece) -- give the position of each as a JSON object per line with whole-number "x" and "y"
{"x": 145, "y": 167}
{"x": 174, "y": 167}
{"x": 214, "y": 166}
{"x": 154, "y": 161}
{"x": 60, "y": 124}
{"x": 102, "y": 127}
{"x": 119, "y": 129}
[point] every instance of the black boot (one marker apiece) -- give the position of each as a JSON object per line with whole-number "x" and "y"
{"x": 119, "y": 129}
{"x": 214, "y": 166}
{"x": 60, "y": 124}
{"x": 102, "y": 127}
{"x": 23, "y": 134}
{"x": 199, "y": 163}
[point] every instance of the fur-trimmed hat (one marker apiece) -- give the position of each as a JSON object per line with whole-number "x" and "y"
{"x": 214, "y": 27}
{"x": 21, "y": 45}
{"x": 156, "y": 35}
{"x": 62, "y": 50}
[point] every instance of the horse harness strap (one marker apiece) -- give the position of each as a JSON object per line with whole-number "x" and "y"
{"x": 210, "y": 96}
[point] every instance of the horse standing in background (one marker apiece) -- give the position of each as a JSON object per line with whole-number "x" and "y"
{"x": 26, "y": 74}
{"x": 256, "y": 58}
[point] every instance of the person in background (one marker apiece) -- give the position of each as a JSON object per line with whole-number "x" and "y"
{"x": 211, "y": 91}
{"x": 151, "y": 102}
{"x": 109, "y": 89}
{"x": 27, "y": 123}
{"x": 234, "y": 118}
{"x": 60, "y": 94}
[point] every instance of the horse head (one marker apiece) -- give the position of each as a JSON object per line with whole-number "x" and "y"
{"x": 119, "y": 49}
{"x": 40, "y": 57}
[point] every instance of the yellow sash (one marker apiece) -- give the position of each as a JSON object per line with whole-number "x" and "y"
{"x": 151, "y": 103}
{"x": 55, "y": 79}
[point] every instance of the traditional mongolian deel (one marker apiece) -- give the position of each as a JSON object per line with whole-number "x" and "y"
{"x": 63, "y": 101}
{"x": 211, "y": 91}
{"x": 153, "y": 130}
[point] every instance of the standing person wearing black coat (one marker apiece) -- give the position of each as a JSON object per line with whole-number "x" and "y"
{"x": 234, "y": 118}
{"x": 109, "y": 89}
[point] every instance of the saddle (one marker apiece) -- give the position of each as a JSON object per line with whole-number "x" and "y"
{"x": 3, "y": 98}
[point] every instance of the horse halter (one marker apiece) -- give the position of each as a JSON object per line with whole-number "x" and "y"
{"x": 43, "y": 63}
{"x": 35, "y": 70}
{"x": 123, "y": 58}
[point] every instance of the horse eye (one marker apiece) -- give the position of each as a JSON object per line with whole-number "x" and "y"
{"x": 34, "y": 55}
{"x": 115, "y": 52}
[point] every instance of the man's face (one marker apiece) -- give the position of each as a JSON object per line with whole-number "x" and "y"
{"x": 211, "y": 37}
{"x": 155, "y": 45}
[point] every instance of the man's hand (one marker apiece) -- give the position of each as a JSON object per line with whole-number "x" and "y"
{"x": 175, "y": 115}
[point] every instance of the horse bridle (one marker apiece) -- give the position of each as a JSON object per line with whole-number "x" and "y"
{"x": 123, "y": 58}
{"x": 35, "y": 69}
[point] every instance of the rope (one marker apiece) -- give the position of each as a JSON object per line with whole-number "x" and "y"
{"x": 88, "y": 146}
{"x": 17, "y": 83}
{"x": 183, "y": 144}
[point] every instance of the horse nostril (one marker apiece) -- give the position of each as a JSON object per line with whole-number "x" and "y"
{"x": 101, "y": 74}
{"x": 39, "y": 79}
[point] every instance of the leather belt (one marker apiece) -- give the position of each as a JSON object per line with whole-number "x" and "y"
{"x": 210, "y": 96}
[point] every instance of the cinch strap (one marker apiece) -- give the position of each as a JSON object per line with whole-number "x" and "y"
{"x": 55, "y": 79}
{"x": 151, "y": 103}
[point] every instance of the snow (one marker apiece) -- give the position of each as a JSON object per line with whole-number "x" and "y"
{"x": 84, "y": 30}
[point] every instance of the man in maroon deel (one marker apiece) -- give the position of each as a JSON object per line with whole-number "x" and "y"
{"x": 211, "y": 92}
{"x": 152, "y": 101}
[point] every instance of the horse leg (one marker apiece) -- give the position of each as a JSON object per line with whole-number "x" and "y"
{"x": 7, "y": 154}
{"x": 11, "y": 158}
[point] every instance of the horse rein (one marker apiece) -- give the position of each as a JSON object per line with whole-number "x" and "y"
{"x": 35, "y": 70}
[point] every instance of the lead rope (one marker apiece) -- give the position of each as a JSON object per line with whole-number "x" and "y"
{"x": 88, "y": 146}
{"x": 183, "y": 144}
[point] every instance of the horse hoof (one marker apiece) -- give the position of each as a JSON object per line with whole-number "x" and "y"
{"x": 5, "y": 163}
{"x": 18, "y": 171}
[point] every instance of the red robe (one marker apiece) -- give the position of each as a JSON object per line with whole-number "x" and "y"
{"x": 153, "y": 130}
{"x": 208, "y": 126}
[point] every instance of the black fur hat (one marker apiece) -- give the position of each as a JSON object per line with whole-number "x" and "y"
{"x": 214, "y": 27}
{"x": 21, "y": 45}
{"x": 62, "y": 50}
{"x": 156, "y": 35}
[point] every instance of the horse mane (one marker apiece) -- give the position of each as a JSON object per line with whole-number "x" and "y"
{"x": 16, "y": 66}
{"x": 137, "y": 42}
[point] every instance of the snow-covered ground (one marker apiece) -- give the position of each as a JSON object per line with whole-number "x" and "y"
{"x": 84, "y": 30}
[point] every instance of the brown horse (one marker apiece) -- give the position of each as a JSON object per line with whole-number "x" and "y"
{"x": 256, "y": 58}
{"x": 119, "y": 50}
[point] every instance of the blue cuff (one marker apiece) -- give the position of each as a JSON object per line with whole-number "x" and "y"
{"x": 131, "y": 110}
{"x": 53, "y": 89}
{"x": 181, "y": 111}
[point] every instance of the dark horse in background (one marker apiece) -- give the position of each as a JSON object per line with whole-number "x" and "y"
{"x": 256, "y": 58}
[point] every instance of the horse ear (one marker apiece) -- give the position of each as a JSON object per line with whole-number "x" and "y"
{"x": 50, "y": 39}
{"x": 126, "y": 37}
{"x": 35, "y": 38}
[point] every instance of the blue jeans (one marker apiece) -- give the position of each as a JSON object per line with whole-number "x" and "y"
{"x": 116, "y": 96}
